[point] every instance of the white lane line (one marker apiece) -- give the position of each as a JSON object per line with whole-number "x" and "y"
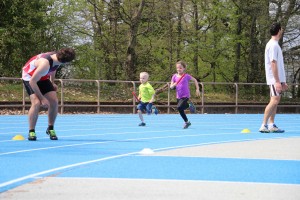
{"x": 62, "y": 168}
{"x": 221, "y": 142}
{"x": 104, "y": 142}
{"x": 7, "y": 141}
{"x": 92, "y": 143}
{"x": 132, "y": 139}
{"x": 77, "y": 129}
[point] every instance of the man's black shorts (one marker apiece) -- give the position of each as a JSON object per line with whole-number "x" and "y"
{"x": 45, "y": 87}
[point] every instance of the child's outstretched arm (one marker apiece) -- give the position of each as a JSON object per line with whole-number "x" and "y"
{"x": 173, "y": 85}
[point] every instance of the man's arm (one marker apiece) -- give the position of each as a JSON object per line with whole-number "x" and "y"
{"x": 52, "y": 76}
{"x": 274, "y": 68}
{"x": 42, "y": 70}
{"x": 52, "y": 79}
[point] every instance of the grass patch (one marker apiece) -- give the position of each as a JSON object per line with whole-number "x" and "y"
{"x": 13, "y": 91}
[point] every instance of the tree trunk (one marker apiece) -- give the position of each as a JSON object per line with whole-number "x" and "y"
{"x": 179, "y": 30}
{"x": 197, "y": 39}
{"x": 236, "y": 76}
{"x": 130, "y": 64}
{"x": 170, "y": 34}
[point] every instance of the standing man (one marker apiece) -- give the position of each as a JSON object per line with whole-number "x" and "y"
{"x": 38, "y": 78}
{"x": 276, "y": 78}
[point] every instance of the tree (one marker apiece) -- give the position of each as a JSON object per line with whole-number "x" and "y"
{"x": 20, "y": 29}
{"x": 24, "y": 34}
{"x": 133, "y": 21}
{"x": 221, "y": 41}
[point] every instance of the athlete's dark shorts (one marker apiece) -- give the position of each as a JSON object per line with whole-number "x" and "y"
{"x": 144, "y": 106}
{"x": 182, "y": 103}
{"x": 45, "y": 87}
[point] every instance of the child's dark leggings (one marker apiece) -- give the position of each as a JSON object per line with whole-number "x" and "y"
{"x": 182, "y": 104}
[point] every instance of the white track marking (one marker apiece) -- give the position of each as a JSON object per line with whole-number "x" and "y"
{"x": 132, "y": 139}
{"x": 62, "y": 168}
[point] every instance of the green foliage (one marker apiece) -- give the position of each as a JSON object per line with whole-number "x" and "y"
{"x": 222, "y": 41}
{"x": 28, "y": 28}
{"x": 19, "y": 30}
{"x": 11, "y": 91}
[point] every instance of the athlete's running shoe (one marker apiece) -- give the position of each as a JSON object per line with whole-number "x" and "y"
{"x": 154, "y": 110}
{"x": 51, "y": 134}
{"x": 275, "y": 129}
{"x": 186, "y": 125}
{"x": 32, "y": 136}
{"x": 264, "y": 129}
{"x": 142, "y": 124}
{"x": 192, "y": 107}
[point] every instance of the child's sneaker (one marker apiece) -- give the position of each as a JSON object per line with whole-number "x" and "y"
{"x": 32, "y": 136}
{"x": 142, "y": 124}
{"x": 51, "y": 134}
{"x": 192, "y": 107}
{"x": 186, "y": 125}
{"x": 264, "y": 129}
{"x": 275, "y": 129}
{"x": 154, "y": 110}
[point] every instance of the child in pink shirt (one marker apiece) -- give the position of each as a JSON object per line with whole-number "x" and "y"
{"x": 181, "y": 82}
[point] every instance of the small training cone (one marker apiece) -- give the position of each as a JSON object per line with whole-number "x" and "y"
{"x": 245, "y": 130}
{"x": 18, "y": 137}
{"x": 146, "y": 151}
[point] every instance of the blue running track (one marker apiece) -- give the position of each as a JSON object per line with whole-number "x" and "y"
{"x": 109, "y": 146}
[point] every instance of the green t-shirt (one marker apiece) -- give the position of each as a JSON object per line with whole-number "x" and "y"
{"x": 145, "y": 92}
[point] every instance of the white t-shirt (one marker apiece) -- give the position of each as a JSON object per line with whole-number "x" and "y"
{"x": 274, "y": 52}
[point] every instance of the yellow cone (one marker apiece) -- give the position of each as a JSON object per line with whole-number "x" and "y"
{"x": 18, "y": 137}
{"x": 245, "y": 130}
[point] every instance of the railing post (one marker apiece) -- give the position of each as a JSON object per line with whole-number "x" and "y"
{"x": 23, "y": 100}
{"x": 98, "y": 96}
{"x": 169, "y": 98}
{"x": 236, "y": 97}
{"x": 202, "y": 97}
{"x": 61, "y": 96}
{"x": 133, "y": 99}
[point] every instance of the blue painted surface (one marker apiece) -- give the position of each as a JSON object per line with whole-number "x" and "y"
{"x": 189, "y": 168}
{"x": 107, "y": 145}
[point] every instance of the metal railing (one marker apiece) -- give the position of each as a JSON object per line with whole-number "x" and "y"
{"x": 202, "y": 105}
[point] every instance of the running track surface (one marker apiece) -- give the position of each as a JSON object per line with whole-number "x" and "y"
{"x": 110, "y": 146}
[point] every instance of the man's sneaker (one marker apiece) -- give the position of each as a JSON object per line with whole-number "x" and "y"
{"x": 186, "y": 125}
{"x": 51, "y": 134}
{"x": 192, "y": 107}
{"x": 32, "y": 136}
{"x": 142, "y": 124}
{"x": 264, "y": 129}
{"x": 275, "y": 129}
{"x": 154, "y": 110}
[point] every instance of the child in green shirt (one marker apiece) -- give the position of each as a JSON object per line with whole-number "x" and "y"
{"x": 146, "y": 97}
